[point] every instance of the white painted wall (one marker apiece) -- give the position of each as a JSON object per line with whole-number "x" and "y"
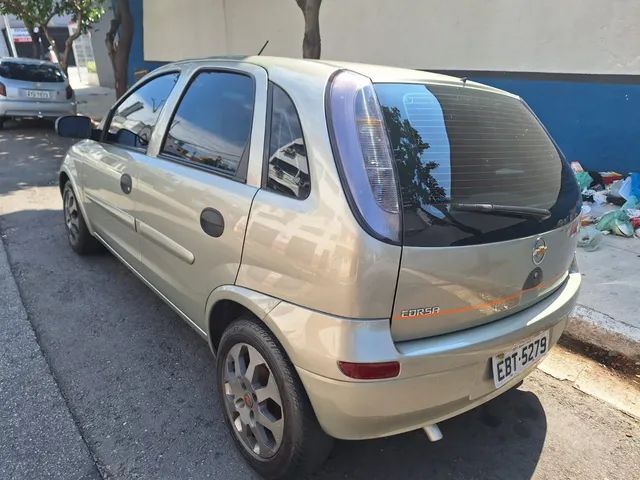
{"x": 566, "y": 36}
{"x": 179, "y": 29}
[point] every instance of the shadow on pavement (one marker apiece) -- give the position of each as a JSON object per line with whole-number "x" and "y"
{"x": 501, "y": 439}
{"x": 32, "y": 145}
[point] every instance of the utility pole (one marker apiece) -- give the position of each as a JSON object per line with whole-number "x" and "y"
{"x": 12, "y": 43}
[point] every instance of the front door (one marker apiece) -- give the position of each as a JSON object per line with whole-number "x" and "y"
{"x": 193, "y": 198}
{"x": 109, "y": 168}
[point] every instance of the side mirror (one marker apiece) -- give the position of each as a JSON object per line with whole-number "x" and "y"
{"x": 73, "y": 126}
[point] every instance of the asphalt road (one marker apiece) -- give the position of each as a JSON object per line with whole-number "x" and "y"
{"x": 138, "y": 382}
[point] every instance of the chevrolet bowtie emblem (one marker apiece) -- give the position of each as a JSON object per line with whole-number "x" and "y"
{"x": 539, "y": 251}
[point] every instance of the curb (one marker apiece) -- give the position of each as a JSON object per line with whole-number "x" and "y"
{"x": 39, "y": 433}
{"x": 601, "y": 331}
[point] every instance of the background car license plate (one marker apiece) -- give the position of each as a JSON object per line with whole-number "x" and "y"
{"x": 37, "y": 94}
{"x": 509, "y": 364}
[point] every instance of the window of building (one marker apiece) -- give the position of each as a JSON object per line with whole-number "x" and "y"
{"x": 288, "y": 168}
{"x": 212, "y": 124}
{"x": 135, "y": 118}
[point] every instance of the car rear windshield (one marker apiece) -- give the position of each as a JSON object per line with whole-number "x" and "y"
{"x": 31, "y": 72}
{"x": 459, "y": 148}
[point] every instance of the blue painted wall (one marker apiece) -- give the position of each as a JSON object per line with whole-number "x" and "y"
{"x": 595, "y": 123}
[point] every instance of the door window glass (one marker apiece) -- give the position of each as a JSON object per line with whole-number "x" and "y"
{"x": 288, "y": 168}
{"x": 135, "y": 118}
{"x": 213, "y": 121}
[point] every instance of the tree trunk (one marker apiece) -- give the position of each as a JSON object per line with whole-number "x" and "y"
{"x": 68, "y": 46}
{"x": 50, "y": 40}
{"x": 311, "y": 12}
{"x": 34, "y": 43}
{"x": 122, "y": 26}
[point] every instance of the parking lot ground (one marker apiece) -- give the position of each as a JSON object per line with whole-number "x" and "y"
{"x": 137, "y": 382}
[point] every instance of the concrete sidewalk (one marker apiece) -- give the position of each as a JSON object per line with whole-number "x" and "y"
{"x": 39, "y": 436}
{"x": 608, "y": 311}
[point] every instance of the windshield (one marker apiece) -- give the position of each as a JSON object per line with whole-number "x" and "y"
{"x": 459, "y": 145}
{"x": 31, "y": 72}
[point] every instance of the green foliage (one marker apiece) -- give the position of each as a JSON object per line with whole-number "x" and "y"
{"x": 84, "y": 12}
{"x": 32, "y": 12}
{"x": 39, "y": 12}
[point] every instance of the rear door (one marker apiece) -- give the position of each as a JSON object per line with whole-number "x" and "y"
{"x": 460, "y": 150}
{"x": 109, "y": 168}
{"x": 194, "y": 197}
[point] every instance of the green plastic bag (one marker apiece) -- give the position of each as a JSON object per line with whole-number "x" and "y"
{"x": 617, "y": 221}
{"x": 584, "y": 180}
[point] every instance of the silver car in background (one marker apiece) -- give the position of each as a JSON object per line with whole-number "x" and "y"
{"x": 32, "y": 88}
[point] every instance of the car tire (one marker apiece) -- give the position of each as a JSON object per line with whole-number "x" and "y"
{"x": 80, "y": 239}
{"x": 301, "y": 445}
{"x": 2, "y": 120}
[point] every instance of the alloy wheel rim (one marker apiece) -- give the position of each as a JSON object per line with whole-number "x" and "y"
{"x": 252, "y": 401}
{"x": 71, "y": 215}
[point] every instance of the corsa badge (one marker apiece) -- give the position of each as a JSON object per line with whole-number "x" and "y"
{"x": 539, "y": 251}
{"x": 420, "y": 312}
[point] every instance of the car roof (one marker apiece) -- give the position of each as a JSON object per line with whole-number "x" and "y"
{"x": 25, "y": 60}
{"x": 377, "y": 73}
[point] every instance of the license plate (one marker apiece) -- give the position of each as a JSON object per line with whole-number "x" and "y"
{"x": 37, "y": 94}
{"x": 508, "y": 364}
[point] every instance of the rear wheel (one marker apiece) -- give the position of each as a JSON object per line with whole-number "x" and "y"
{"x": 81, "y": 241}
{"x": 267, "y": 410}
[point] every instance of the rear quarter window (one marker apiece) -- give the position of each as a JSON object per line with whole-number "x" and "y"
{"x": 287, "y": 164}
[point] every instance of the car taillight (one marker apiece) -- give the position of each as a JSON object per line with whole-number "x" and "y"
{"x": 3, "y": 90}
{"x": 370, "y": 371}
{"x": 363, "y": 154}
{"x": 69, "y": 91}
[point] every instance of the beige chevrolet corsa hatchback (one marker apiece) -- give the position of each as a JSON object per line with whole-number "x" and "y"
{"x": 367, "y": 250}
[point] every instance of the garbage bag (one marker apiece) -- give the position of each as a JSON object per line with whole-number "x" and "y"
{"x": 618, "y": 221}
{"x": 635, "y": 184}
{"x": 584, "y": 180}
{"x": 589, "y": 238}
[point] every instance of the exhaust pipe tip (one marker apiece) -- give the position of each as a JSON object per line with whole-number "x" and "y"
{"x": 433, "y": 432}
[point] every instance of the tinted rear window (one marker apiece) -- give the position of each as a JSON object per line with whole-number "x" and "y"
{"x": 31, "y": 72}
{"x": 463, "y": 145}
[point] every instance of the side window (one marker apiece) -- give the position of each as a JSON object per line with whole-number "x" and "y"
{"x": 135, "y": 118}
{"x": 212, "y": 123}
{"x": 288, "y": 168}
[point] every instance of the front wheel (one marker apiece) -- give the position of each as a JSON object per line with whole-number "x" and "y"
{"x": 80, "y": 239}
{"x": 267, "y": 410}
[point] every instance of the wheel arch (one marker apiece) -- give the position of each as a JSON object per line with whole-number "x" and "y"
{"x": 228, "y": 302}
{"x": 67, "y": 174}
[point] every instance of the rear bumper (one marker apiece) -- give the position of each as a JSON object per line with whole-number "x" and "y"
{"x": 440, "y": 377}
{"x": 20, "y": 108}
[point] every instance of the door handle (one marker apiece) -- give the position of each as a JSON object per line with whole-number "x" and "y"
{"x": 126, "y": 183}
{"x": 212, "y": 222}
